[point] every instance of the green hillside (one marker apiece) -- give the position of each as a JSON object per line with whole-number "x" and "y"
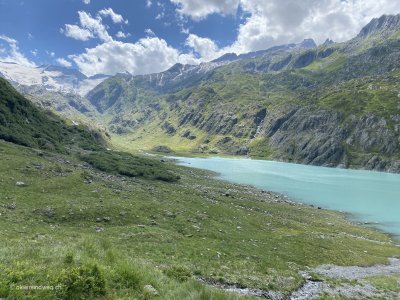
{"x": 91, "y": 234}
{"x": 24, "y": 124}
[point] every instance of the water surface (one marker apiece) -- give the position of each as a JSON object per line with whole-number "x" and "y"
{"x": 371, "y": 197}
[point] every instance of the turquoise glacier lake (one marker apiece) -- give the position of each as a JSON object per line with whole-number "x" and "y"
{"x": 370, "y": 197}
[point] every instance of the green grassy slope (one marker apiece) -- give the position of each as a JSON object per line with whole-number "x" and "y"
{"x": 98, "y": 235}
{"x": 24, "y": 124}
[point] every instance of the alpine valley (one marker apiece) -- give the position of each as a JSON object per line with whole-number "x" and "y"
{"x": 337, "y": 104}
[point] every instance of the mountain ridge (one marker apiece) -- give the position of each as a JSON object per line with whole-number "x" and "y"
{"x": 52, "y": 78}
{"x": 383, "y": 23}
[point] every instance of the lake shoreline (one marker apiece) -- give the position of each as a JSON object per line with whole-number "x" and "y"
{"x": 257, "y": 158}
{"x": 355, "y": 218}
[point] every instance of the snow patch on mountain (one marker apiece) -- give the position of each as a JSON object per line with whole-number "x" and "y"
{"x": 52, "y": 78}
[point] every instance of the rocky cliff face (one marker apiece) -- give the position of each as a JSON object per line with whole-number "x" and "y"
{"x": 308, "y": 135}
{"x": 302, "y": 134}
{"x": 312, "y": 135}
{"x": 384, "y": 24}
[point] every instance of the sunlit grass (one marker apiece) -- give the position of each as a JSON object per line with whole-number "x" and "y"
{"x": 136, "y": 232}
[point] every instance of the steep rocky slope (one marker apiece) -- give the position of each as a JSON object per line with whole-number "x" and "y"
{"x": 334, "y": 105}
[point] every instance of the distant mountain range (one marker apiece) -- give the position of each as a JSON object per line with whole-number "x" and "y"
{"x": 52, "y": 78}
{"x": 336, "y": 104}
{"x": 70, "y": 81}
{"x": 53, "y": 87}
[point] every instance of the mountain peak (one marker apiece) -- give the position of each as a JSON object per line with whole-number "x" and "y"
{"x": 383, "y": 23}
{"x": 307, "y": 44}
{"x": 52, "y": 78}
{"x": 328, "y": 42}
{"x": 64, "y": 71}
{"x": 176, "y": 68}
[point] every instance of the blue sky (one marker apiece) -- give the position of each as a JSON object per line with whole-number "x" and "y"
{"x": 145, "y": 36}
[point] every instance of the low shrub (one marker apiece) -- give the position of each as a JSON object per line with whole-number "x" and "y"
{"x": 129, "y": 165}
{"x": 84, "y": 282}
{"x": 179, "y": 273}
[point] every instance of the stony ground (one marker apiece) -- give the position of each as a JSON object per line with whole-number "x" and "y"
{"x": 352, "y": 282}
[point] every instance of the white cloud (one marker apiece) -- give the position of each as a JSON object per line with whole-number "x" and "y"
{"x": 90, "y": 27}
{"x": 273, "y": 22}
{"x": 64, "y": 62}
{"x": 206, "y": 48}
{"x": 52, "y": 54}
{"x": 86, "y": 1}
{"x": 149, "y": 32}
{"x": 95, "y": 25}
{"x": 12, "y": 52}
{"x": 149, "y": 3}
{"x": 116, "y": 18}
{"x": 122, "y": 35}
{"x": 160, "y": 15}
{"x": 76, "y": 32}
{"x": 200, "y": 9}
{"x": 148, "y": 55}
{"x": 286, "y": 21}
{"x": 8, "y": 40}
{"x": 34, "y": 52}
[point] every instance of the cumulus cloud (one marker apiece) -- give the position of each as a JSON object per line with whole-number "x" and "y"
{"x": 64, "y": 62}
{"x": 116, "y": 18}
{"x": 76, "y": 32}
{"x": 122, "y": 35}
{"x": 11, "y": 52}
{"x": 90, "y": 27}
{"x": 86, "y": 1}
{"x": 94, "y": 25}
{"x": 148, "y": 55}
{"x": 275, "y": 22}
{"x": 200, "y": 9}
{"x": 149, "y": 32}
{"x": 204, "y": 47}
